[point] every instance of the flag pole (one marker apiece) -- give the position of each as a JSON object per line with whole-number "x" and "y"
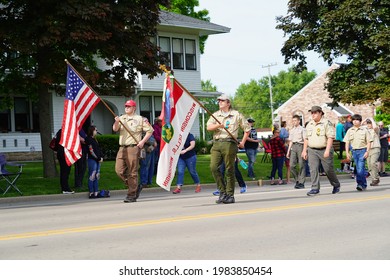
{"x": 104, "y": 103}
{"x": 164, "y": 68}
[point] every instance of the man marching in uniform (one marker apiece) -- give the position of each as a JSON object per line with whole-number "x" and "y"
{"x": 130, "y": 144}
{"x": 318, "y": 148}
{"x": 294, "y": 153}
{"x": 225, "y": 146}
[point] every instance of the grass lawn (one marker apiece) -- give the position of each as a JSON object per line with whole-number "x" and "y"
{"x": 31, "y": 181}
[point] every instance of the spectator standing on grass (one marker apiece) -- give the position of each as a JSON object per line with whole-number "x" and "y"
{"x": 278, "y": 153}
{"x": 384, "y": 155}
{"x": 95, "y": 158}
{"x": 251, "y": 146}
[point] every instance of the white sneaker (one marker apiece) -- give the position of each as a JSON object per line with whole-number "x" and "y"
{"x": 68, "y": 192}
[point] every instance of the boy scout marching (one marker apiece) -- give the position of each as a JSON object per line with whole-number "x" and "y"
{"x": 318, "y": 148}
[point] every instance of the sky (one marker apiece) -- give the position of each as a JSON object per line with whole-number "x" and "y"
{"x": 231, "y": 59}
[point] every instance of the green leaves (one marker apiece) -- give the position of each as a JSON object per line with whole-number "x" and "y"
{"x": 355, "y": 29}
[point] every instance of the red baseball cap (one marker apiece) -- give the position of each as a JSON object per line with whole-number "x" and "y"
{"x": 130, "y": 103}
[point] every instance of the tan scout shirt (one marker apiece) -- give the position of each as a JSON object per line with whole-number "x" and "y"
{"x": 358, "y": 137}
{"x": 232, "y": 121}
{"x": 375, "y": 138}
{"x": 317, "y": 134}
{"x": 297, "y": 134}
{"x": 137, "y": 125}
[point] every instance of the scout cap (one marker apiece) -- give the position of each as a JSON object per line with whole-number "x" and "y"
{"x": 251, "y": 120}
{"x": 316, "y": 109}
{"x": 130, "y": 103}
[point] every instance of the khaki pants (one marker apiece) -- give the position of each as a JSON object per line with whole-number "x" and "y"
{"x": 315, "y": 157}
{"x": 224, "y": 152}
{"x": 126, "y": 167}
{"x": 297, "y": 163}
{"x": 372, "y": 162}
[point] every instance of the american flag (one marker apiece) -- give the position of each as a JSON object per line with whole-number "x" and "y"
{"x": 80, "y": 100}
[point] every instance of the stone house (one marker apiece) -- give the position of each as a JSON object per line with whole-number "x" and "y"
{"x": 314, "y": 93}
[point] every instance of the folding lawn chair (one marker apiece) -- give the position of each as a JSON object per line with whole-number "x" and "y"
{"x": 10, "y": 177}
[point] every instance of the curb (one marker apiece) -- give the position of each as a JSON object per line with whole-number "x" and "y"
{"x": 82, "y": 196}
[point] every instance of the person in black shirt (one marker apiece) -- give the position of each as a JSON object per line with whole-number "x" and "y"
{"x": 251, "y": 146}
{"x": 95, "y": 157}
{"x": 384, "y": 155}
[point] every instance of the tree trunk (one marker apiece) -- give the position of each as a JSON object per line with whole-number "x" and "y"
{"x": 45, "y": 117}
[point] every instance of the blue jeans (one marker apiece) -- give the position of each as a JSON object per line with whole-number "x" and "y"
{"x": 251, "y": 154}
{"x": 277, "y": 164}
{"x": 190, "y": 163}
{"x": 360, "y": 161}
{"x": 145, "y": 168}
{"x": 151, "y": 167}
{"x": 93, "y": 175}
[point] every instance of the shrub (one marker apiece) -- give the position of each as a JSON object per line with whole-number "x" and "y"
{"x": 109, "y": 144}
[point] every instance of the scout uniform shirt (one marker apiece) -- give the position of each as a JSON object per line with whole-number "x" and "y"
{"x": 137, "y": 125}
{"x": 297, "y": 134}
{"x": 375, "y": 138}
{"x": 317, "y": 134}
{"x": 232, "y": 120}
{"x": 358, "y": 137}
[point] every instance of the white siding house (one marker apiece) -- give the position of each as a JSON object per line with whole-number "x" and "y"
{"x": 178, "y": 38}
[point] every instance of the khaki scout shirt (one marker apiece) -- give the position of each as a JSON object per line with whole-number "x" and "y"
{"x": 137, "y": 125}
{"x": 317, "y": 134}
{"x": 375, "y": 138}
{"x": 232, "y": 120}
{"x": 358, "y": 137}
{"x": 297, "y": 134}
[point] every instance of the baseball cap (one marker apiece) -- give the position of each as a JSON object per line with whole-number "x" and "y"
{"x": 130, "y": 103}
{"x": 223, "y": 97}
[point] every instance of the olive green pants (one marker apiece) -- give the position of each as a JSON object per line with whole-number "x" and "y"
{"x": 224, "y": 152}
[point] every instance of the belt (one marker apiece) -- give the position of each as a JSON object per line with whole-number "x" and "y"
{"x": 297, "y": 143}
{"x": 225, "y": 140}
{"x": 126, "y": 146}
{"x": 319, "y": 149}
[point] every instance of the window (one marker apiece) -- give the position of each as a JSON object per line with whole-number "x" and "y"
{"x": 178, "y": 54}
{"x": 165, "y": 51}
{"x": 5, "y": 121}
{"x": 145, "y": 107}
{"x": 23, "y": 117}
{"x": 190, "y": 55}
{"x": 157, "y": 106}
{"x": 22, "y": 114}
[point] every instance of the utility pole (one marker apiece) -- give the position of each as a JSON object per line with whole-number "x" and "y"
{"x": 270, "y": 88}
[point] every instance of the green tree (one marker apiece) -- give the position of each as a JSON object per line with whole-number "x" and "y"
{"x": 209, "y": 102}
{"x": 37, "y": 35}
{"x": 355, "y": 29}
{"x": 187, "y": 8}
{"x": 253, "y": 99}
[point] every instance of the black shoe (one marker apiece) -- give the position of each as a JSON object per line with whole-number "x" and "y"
{"x": 228, "y": 199}
{"x": 313, "y": 192}
{"x": 361, "y": 188}
{"x": 129, "y": 199}
{"x": 92, "y": 196}
{"x": 139, "y": 190}
{"x": 336, "y": 190}
{"x": 221, "y": 198}
{"x": 299, "y": 186}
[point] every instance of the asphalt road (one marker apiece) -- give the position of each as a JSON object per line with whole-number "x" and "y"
{"x": 268, "y": 223}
